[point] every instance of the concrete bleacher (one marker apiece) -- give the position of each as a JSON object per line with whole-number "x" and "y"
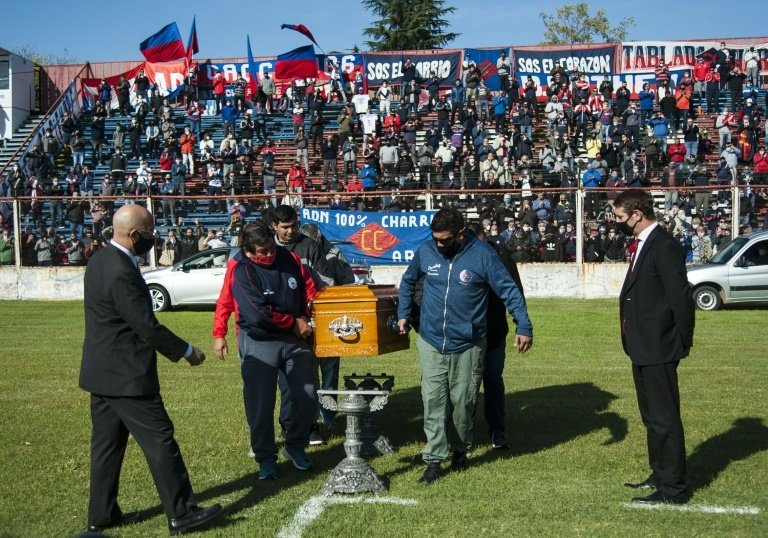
{"x": 280, "y": 130}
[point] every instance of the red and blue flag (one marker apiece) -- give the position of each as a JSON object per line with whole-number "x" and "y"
{"x": 164, "y": 46}
{"x": 298, "y": 63}
{"x": 301, "y": 29}
{"x": 192, "y": 45}
{"x": 253, "y": 82}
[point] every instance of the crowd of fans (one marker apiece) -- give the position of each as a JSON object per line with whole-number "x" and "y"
{"x": 459, "y": 142}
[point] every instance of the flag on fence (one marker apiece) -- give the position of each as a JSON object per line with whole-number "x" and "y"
{"x": 301, "y": 29}
{"x": 253, "y": 80}
{"x": 298, "y": 63}
{"x": 164, "y": 46}
{"x": 192, "y": 46}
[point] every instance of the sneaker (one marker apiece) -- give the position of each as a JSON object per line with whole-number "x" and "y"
{"x": 268, "y": 471}
{"x": 299, "y": 458}
{"x": 431, "y": 473}
{"x": 459, "y": 461}
{"x": 499, "y": 441}
{"x": 315, "y": 438}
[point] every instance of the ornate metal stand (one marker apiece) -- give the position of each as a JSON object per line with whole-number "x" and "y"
{"x": 354, "y": 474}
{"x": 374, "y": 442}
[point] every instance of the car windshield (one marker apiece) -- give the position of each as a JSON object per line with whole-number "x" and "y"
{"x": 728, "y": 252}
{"x": 207, "y": 260}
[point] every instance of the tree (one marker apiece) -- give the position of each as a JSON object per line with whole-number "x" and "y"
{"x": 572, "y": 24}
{"x": 31, "y": 53}
{"x": 408, "y": 24}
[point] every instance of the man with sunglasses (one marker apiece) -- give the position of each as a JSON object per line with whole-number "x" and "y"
{"x": 457, "y": 271}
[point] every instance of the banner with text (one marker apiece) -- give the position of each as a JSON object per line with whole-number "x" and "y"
{"x": 381, "y": 66}
{"x": 486, "y": 62}
{"x": 376, "y": 238}
{"x": 639, "y": 59}
{"x": 595, "y": 61}
{"x": 71, "y": 103}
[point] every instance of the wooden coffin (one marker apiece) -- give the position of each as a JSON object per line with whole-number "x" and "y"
{"x": 356, "y": 320}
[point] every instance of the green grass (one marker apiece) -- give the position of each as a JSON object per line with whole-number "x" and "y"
{"x": 573, "y": 418}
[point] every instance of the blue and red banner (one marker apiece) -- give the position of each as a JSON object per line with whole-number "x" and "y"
{"x": 192, "y": 46}
{"x": 381, "y": 66}
{"x": 298, "y": 63}
{"x": 377, "y": 238}
{"x": 164, "y": 46}
{"x": 595, "y": 61}
{"x": 486, "y": 59}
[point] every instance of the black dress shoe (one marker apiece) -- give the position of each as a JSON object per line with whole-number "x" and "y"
{"x": 122, "y": 519}
{"x": 648, "y": 483}
{"x": 658, "y": 497}
{"x": 196, "y": 517}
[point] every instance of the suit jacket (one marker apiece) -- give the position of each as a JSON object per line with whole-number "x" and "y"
{"x": 656, "y": 304}
{"x": 121, "y": 331}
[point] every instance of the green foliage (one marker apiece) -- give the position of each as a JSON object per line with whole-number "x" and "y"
{"x": 573, "y": 24}
{"x": 572, "y": 420}
{"x": 408, "y": 24}
{"x": 31, "y": 52}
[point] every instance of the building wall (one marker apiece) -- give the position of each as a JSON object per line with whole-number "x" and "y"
{"x": 589, "y": 281}
{"x": 16, "y": 101}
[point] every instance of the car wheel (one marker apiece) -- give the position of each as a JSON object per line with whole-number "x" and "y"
{"x": 160, "y": 299}
{"x": 707, "y": 298}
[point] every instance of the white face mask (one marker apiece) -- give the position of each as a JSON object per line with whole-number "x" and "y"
{"x": 526, "y": 228}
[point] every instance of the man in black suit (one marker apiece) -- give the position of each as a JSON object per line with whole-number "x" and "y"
{"x": 657, "y": 321}
{"x": 119, "y": 369}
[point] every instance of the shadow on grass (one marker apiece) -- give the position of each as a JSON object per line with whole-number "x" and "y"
{"x": 546, "y": 417}
{"x": 747, "y": 436}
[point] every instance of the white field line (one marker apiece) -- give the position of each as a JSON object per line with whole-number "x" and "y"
{"x": 701, "y": 508}
{"x": 313, "y": 508}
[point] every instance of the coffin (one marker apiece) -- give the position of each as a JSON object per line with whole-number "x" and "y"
{"x": 356, "y": 320}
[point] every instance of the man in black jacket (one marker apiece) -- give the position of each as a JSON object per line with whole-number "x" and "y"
{"x": 657, "y": 322}
{"x": 119, "y": 369}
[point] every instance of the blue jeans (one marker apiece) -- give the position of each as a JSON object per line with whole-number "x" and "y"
{"x": 493, "y": 388}
{"x": 77, "y": 228}
{"x": 527, "y": 129}
{"x": 261, "y": 362}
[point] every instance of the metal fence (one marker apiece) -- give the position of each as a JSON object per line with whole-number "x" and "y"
{"x": 588, "y": 211}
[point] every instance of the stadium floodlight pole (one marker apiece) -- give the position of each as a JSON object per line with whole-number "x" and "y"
{"x": 580, "y": 226}
{"x": 17, "y": 233}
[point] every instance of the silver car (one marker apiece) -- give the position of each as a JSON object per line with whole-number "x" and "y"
{"x": 736, "y": 274}
{"x": 198, "y": 279}
{"x": 194, "y": 281}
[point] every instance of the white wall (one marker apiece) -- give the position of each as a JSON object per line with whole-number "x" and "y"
{"x": 16, "y": 101}
{"x": 590, "y": 281}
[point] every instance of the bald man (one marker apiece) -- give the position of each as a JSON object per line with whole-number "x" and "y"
{"x": 119, "y": 369}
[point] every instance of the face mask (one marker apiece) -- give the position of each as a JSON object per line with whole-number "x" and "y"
{"x": 569, "y": 230}
{"x": 542, "y": 229}
{"x": 701, "y": 234}
{"x": 526, "y": 228}
{"x": 627, "y": 228}
{"x": 449, "y": 250}
{"x": 143, "y": 245}
{"x": 265, "y": 260}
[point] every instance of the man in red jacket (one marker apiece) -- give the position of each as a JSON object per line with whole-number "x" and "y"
{"x": 272, "y": 289}
{"x": 676, "y": 152}
{"x": 760, "y": 160}
{"x": 700, "y": 71}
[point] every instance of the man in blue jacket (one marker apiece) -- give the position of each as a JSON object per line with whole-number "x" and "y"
{"x": 457, "y": 270}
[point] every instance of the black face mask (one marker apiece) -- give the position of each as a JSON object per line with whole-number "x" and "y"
{"x": 449, "y": 250}
{"x": 143, "y": 245}
{"x": 626, "y": 228}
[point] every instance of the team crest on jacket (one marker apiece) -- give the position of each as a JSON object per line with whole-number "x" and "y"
{"x": 465, "y": 276}
{"x": 292, "y": 283}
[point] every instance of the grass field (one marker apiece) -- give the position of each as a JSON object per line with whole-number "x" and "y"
{"x": 574, "y": 425}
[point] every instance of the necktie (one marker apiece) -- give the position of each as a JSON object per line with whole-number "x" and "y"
{"x": 632, "y": 249}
